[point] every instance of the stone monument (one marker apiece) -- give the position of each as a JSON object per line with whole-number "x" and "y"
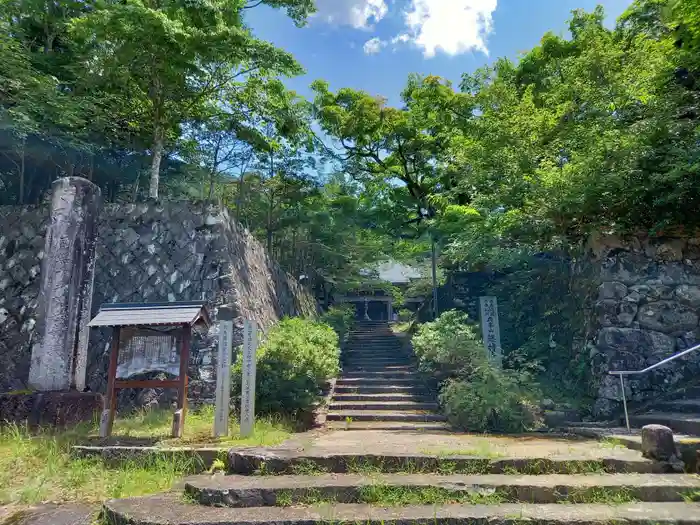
{"x": 59, "y": 353}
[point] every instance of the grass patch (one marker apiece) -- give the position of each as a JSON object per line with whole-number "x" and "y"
{"x": 306, "y": 467}
{"x": 611, "y": 442}
{"x": 36, "y": 468}
{"x": 483, "y": 449}
{"x": 390, "y": 496}
{"x": 692, "y": 496}
{"x": 599, "y": 495}
{"x": 156, "y": 425}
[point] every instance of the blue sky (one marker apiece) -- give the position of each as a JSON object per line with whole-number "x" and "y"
{"x": 375, "y": 44}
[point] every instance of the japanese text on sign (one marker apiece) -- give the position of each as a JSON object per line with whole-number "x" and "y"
{"x": 490, "y": 329}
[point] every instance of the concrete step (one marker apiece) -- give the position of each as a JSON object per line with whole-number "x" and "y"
{"x": 383, "y": 374}
{"x": 250, "y": 460}
{"x": 381, "y": 368}
{"x": 435, "y": 427}
{"x": 365, "y": 388}
{"x": 385, "y": 415}
{"x": 678, "y": 422}
{"x": 399, "y": 381}
{"x": 170, "y": 509}
{"x": 374, "y": 398}
{"x": 262, "y": 491}
{"x": 337, "y": 405}
{"x": 684, "y": 406}
{"x": 357, "y": 362}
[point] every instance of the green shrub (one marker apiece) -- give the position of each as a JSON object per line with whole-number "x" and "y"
{"x": 297, "y": 357}
{"x": 491, "y": 400}
{"x": 405, "y": 315}
{"x": 449, "y": 346}
{"x": 475, "y": 395}
{"x": 341, "y": 318}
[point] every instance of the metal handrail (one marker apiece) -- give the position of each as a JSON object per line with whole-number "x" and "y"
{"x": 623, "y": 373}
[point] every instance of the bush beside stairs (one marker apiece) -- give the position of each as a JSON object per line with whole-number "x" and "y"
{"x": 379, "y": 388}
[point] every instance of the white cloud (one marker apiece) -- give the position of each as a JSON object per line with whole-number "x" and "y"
{"x": 453, "y": 26}
{"x": 373, "y": 46}
{"x": 360, "y": 14}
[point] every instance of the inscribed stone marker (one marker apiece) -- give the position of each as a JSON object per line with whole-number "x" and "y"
{"x": 59, "y": 354}
{"x": 223, "y": 371}
{"x": 250, "y": 345}
{"x": 491, "y": 330}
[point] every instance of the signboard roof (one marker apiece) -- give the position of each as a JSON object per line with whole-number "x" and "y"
{"x": 145, "y": 314}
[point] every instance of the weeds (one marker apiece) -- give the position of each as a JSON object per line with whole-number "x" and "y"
{"x": 38, "y": 467}
{"x": 306, "y": 467}
{"x": 611, "y": 442}
{"x": 600, "y": 495}
{"x": 389, "y": 496}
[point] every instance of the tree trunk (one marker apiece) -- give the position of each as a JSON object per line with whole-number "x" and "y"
{"x": 239, "y": 197}
{"x": 157, "y": 156}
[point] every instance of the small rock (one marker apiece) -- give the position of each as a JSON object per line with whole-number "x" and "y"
{"x": 657, "y": 443}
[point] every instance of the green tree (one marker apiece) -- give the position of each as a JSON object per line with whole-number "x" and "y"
{"x": 174, "y": 58}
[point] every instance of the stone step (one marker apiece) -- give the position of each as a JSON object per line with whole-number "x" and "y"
{"x": 358, "y": 362}
{"x": 413, "y": 427}
{"x": 385, "y": 415}
{"x": 381, "y": 405}
{"x": 399, "y": 381}
{"x": 684, "y": 406}
{"x": 384, "y": 374}
{"x": 373, "y": 398}
{"x": 381, "y": 368}
{"x": 262, "y": 491}
{"x": 250, "y": 460}
{"x": 394, "y": 354}
{"x": 364, "y": 388}
{"x": 678, "y": 422}
{"x": 170, "y": 509}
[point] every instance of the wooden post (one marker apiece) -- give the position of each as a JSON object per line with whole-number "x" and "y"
{"x": 107, "y": 418}
{"x": 181, "y": 412}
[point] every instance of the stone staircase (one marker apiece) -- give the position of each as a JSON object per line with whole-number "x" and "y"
{"x": 299, "y": 488}
{"x": 681, "y": 415}
{"x": 378, "y": 387}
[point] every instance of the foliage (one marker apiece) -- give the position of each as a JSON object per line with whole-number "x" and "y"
{"x": 341, "y": 318}
{"x": 405, "y": 314}
{"x": 296, "y": 359}
{"x": 475, "y": 395}
{"x": 545, "y": 306}
{"x": 449, "y": 346}
{"x": 492, "y": 400}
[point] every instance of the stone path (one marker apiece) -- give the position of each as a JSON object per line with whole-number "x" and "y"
{"x": 329, "y": 476}
{"x": 378, "y": 387}
{"x": 386, "y": 448}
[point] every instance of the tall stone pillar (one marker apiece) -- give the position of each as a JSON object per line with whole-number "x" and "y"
{"x": 59, "y": 353}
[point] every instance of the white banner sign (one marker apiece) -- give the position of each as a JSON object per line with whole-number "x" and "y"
{"x": 250, "y": 346}
{"x": 223, "y": 372}
{"x": 490, "y": 329}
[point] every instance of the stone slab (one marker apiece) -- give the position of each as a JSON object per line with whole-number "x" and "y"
{"x": 678, "y": 422}
{"x": 170, "y": 510}
{"x": 260, "y": 491}
{"x": 411, "y": 427}
{"x": 116, "y": 455}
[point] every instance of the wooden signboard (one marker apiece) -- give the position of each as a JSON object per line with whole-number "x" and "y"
{"x": 153, "y": 337}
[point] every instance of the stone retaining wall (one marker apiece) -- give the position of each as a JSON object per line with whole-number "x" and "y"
{"x": 147, "y": 252}
{"x": 648, "y": 309}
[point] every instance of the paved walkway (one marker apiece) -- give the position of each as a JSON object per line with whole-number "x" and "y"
{"x": 380, "y": 442}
